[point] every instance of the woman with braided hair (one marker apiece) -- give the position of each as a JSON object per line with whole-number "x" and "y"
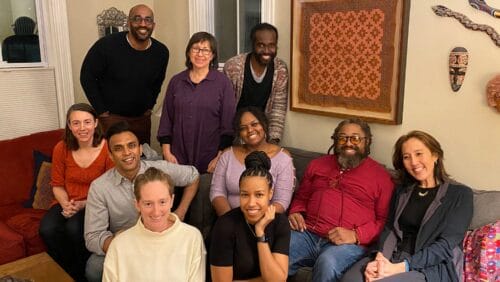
{"x": 251, "y": 241}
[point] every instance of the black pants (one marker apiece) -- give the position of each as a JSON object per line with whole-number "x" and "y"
{"x": 64, "y": 240}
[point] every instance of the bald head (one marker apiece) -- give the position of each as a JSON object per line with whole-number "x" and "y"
{"x": 140, "y": 8}
{"x": 141, "y": 25}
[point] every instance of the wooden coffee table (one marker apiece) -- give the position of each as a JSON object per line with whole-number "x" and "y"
{"x": 39, "y": 268}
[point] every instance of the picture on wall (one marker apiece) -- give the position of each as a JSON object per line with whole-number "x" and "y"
{"x": 348, "y": 58}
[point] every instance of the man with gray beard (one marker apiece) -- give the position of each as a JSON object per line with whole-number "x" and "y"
{"x": 341, "y": 205}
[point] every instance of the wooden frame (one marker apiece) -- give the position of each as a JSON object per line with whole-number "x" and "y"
{"x": 348, "y": 58}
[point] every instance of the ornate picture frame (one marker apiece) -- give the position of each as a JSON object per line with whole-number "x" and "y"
{"x": 348, "y": 58}
{"x": 110, "y": 21}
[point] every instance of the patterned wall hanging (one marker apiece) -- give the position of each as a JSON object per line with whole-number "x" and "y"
{"x": 348, "y": 58}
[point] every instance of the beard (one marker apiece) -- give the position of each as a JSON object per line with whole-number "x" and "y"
{"x": 348, "y": 161}
{"x": 261, "y": 60}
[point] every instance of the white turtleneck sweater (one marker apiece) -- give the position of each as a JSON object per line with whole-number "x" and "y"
{"x": 138, "y": 254}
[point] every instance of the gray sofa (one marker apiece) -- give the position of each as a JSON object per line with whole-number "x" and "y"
{"x": 202, "y": 215}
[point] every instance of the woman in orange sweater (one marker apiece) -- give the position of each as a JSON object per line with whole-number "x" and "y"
{"x": 77, "y": 160}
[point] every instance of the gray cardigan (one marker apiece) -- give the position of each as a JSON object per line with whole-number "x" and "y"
{"x": 438, "y": 248}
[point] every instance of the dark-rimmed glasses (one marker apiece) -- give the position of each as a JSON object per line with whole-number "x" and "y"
{"x": 203, "y": 51}
{"x": 355, "y": 139}
{"x": 139, "y": 19}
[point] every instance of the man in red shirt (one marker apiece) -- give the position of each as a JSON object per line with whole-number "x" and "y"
{"x": 341, "y": 205}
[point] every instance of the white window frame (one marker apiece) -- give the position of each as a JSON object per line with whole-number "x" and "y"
{"x": 52, "y": 22}
{"x": 41, "y": 39}
{"x": 201, "y": 15}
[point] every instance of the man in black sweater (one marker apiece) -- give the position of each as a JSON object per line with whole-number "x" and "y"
{"x": 123, "y": 72}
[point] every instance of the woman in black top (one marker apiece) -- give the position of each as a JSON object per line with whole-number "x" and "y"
{"x": 422, "y": 239}
{"x": 251, "y": 241}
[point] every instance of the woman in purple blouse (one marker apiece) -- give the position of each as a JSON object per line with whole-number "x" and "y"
{"x": 198, "y": 109}
{"x": 252, "y": 125}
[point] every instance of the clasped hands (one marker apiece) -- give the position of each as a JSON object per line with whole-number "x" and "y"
{"x": 381, "y": 267}
{"x": 71, "y": 207}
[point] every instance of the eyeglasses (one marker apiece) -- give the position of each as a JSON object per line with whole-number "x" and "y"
{"x": 139, "y": 19}
{"x": 204, "y": 51}
{"x": 355, "y": 139}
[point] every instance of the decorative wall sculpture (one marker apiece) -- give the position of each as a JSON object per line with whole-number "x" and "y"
{"x": 493, "y": 92}
{"x": 443, "y": 11}
{"x": 482, "y": 6}
{"x": 110, "y": 21}
{"x": 459, "y": 58}
{"x": 348, "y": 58}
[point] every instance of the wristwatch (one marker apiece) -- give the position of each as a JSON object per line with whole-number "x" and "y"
{"x": 262, "y": 239}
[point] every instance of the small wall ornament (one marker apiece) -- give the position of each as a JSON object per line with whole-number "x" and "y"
{"x": 443, "y": 11}
{"x": 493, "y": 92}
{"x": 458, "y": 60}
{"x": 482, "y": 6}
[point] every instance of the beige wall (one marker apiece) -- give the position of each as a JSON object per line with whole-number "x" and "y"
{"x": 467, "y": 128}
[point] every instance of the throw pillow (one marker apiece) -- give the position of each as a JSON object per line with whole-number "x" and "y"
{"x": 43, "y": 195}
{"x": 482, "y": 249}
{"x": 39, "y": 158}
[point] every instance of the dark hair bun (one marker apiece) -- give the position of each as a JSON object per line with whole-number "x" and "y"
{"x": 257, "y": 159}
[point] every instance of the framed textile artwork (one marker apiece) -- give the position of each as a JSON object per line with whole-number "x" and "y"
{"x": 348, "y": 58}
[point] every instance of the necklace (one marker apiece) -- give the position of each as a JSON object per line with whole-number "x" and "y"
{"x": 251, "y": 230}
{"x": 130, "y": 43}
{"x": 423, "y": 194}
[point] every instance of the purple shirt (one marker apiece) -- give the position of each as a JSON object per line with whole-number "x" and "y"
{"x": 196, "y": 116}
{"x": 225, "y": 181}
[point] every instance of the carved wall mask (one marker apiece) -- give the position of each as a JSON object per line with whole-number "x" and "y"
{"x": 459, "y": 58}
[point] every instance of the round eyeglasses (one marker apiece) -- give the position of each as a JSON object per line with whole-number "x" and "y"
{"x": 355, "y": 139}
{"x": 139, "y": 19}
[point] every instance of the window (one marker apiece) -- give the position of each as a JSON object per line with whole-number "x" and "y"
{"x": 230, "y": 21}
{"x": 21, "y": 34}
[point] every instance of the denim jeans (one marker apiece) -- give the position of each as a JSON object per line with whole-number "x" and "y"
{"x": 94, "y": 268}
{"x": 329, "y": 261}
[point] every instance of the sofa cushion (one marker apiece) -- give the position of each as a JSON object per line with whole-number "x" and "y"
{"x": 27, "y": 225}
{"x": 43, "y": 195}
{"x": 16, "y": 168}
{"x": 11, "y": 244}
{"x": 301, "y": 159}
{"x": 39, "y": 158}
{"x": 486, "y": 208}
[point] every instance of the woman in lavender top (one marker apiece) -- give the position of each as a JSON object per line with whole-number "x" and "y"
{"x": 252, "y": 125}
